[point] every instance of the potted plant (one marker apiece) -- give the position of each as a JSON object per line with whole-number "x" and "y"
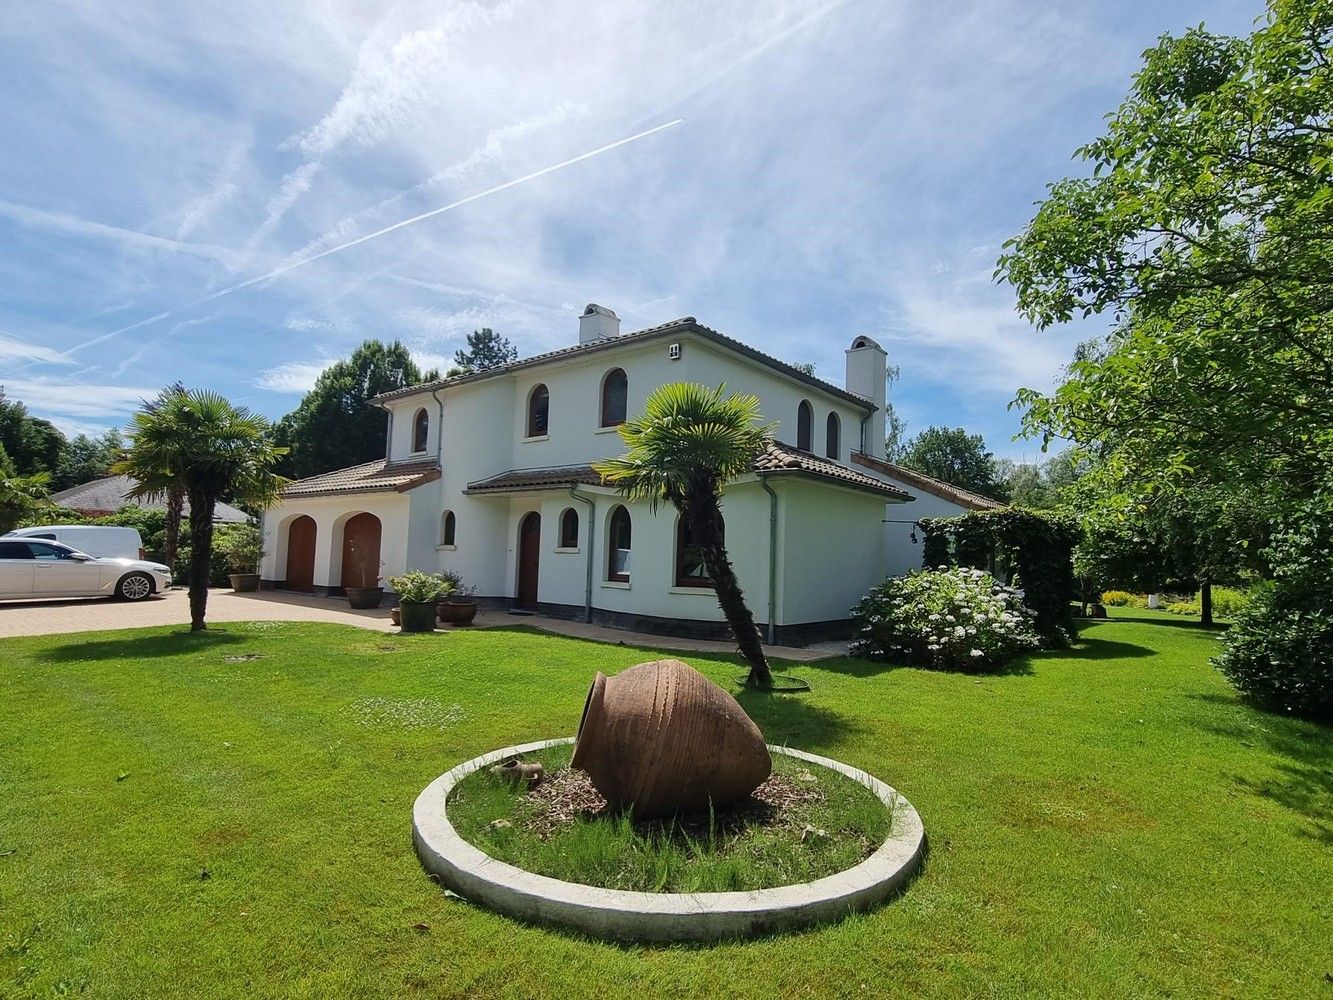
{"x": 242, "y": 548}
{"x": 418, "y": 594}
{"x": 459, "y": 607}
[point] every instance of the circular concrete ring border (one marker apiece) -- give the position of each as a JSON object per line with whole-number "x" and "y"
{"x": 661, "y": 916}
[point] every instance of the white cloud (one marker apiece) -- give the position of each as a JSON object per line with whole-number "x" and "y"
{"x": 37, "y": 218}
{"x": 293, "y": 376}
{"x": 54, "y": 398}
{"x": 201, "y": 209}
{"x": 12, "y": 349}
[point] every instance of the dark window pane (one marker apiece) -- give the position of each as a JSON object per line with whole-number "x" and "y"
{"x": 615, "y": 396}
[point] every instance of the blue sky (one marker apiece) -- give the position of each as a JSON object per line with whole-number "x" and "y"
{"x": 843, "y": 168}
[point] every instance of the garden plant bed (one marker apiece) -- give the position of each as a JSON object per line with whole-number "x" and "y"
{"x": 803, "y": 823}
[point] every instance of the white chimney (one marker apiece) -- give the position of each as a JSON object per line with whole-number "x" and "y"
{"x": 597, "y": 323}
{"x": 867, "y": 375}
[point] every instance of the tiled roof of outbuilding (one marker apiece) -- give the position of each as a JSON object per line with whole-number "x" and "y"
{"x": 686, "y": 324}
{"x": 370, "y": 477}
{"x": 927, "y": 484}
{"x": 111, "y": 493}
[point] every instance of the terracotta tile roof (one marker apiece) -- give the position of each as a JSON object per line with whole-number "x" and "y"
{"x": 777, "y": 458}
{"x": 780, "y": 458}
{"x": 686, "y": 324}
{"x": 370, "y": 477}
{"x": 536, "y": 479}
{"x": 926, "y": 484}
{"x": 109, "y": 494}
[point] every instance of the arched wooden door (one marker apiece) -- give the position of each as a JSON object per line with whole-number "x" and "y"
{"x": 361, "y": 551}
{"x": 301, "y": 554}
{"x": 529, "y": 559}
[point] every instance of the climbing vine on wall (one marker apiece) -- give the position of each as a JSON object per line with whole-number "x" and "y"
{"x": 1031, "y": 551}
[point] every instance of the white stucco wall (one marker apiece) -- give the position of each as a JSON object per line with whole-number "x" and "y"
{"x": 330, "y": 513}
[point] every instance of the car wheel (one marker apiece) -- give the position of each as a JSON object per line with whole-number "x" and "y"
{"x": 134, "y": 587}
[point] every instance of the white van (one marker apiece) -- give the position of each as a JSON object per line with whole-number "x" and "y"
{"x": 94, "y": 539}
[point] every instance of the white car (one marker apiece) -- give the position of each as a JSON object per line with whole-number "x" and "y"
{"x": 32, "y": 568}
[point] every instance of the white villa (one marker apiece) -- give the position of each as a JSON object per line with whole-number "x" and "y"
{"x": 489, "y": 475}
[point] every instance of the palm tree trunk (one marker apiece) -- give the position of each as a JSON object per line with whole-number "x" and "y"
{"x": 201, "y": 556}
{"x": 705, "y": 520}
{"x": 175, "y": 501}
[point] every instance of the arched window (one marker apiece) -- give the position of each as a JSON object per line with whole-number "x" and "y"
{"x": 618, "y": 546}
{"x": 420, "y": 429}
{"x": 448, "y": 528}
{"x": 805, "y": 426}
{"x": 690, "y": 568}
{"x": 833, "y": 436}
{"x": 539, "y": 408}
{"x": 569, "y": 529}
{"x": 615, "y": 395}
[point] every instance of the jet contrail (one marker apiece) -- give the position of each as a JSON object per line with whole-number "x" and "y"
{"x": 292, "y": 266}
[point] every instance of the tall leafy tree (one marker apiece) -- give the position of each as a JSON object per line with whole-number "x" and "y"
{"x": 33, "y": 444}
{"x": 688, "y": 443}
{"x": 200, "y": 444}
{"x": 21, "y": 496}
{"x": 485, "y": 349}
{"x": 333, "y": 427}
{"x": 86, "y": 458}
{"x": 954, "y": 456}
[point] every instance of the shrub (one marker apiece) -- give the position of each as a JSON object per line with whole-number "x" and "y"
{"x": 1227, "y": 603}
{"x": 952, "y": 619}
{"x": 239, "y": 548}
{"x": 420, "y": 588}
{"x": 1122, "y": 599}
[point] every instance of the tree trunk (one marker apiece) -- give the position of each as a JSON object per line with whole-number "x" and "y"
{"x": 201, "y": 556}
{"x": 1206, "y": 601}
{"x": 705, "y": 520}
{"x": 175, "y": 501}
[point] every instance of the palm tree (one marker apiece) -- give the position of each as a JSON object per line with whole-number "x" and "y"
{"x": 685, "y": 447}
{"x": 198, "y": 444}
{"x": 22, "y": 496}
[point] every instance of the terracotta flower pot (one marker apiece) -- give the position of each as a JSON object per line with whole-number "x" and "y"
{"x": 661, "y": 738}
{"x": 244, "y": 583}
{"x": 456, "y": 611}
{"x": 364, "y": 597}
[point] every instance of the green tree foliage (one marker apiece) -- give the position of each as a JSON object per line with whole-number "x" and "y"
{"x": 688, "y": 443}
{"x": 334, "y": 427}
{"x": 485, "y": 349}
{"x": 86, "y": 458}
{"x": 22, "y": 497}
{"x": 1040, "y": 485}
{"x": 32, "y": 444}
{"x": 201, "y": 445}
{"x": 955, "y": 457}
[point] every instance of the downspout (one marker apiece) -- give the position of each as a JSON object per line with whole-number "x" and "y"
{"x": 588, "y": 537}
{"x": 772, "y": 559}
{"x": 864, "y": 443}
{"x": 388, "y": 434}
{"x": 439, "y": 430}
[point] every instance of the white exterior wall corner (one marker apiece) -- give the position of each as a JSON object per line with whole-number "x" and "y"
{"x": 329, "y": 514}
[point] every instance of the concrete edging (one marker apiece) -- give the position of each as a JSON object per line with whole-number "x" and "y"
{"x": 650, "y": 916}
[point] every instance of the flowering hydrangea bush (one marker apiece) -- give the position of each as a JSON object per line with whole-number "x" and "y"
{"x": 948, "y": 618}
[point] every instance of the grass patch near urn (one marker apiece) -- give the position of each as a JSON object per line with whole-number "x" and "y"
{"x": 803, "y": 823}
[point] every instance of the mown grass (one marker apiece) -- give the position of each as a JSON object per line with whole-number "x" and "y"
{"x": 177, "y": 821}
{"x": 800, "y": 842}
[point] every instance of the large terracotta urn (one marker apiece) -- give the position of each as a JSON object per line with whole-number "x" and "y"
{"x": 661, "y": 739}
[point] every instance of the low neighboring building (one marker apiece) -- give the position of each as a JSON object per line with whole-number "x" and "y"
{"x": 489, "y": 475}
{"x": 107, "y": 495}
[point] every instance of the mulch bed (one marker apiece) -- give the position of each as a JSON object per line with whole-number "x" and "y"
{"x": 568, "y": 794}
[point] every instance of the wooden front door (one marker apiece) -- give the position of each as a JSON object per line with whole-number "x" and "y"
{"x": 301, "y": 554}
{"x": 361, "y": 551}
{"x": 529, "y": 558}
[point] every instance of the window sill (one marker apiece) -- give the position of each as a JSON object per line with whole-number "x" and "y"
{"x": 694, "y": 591}
{"x": 567, "y": 550}
{"x": 614, "y": 429}
{"x": 616, "y": 584}
{"x": 446, "y": 548}
{"x": 535, "y": 437}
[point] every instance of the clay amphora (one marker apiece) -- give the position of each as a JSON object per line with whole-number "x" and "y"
{"x": 661, "y": 739}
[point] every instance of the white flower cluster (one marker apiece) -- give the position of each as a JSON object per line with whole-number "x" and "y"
{"x": 952, "y": 618}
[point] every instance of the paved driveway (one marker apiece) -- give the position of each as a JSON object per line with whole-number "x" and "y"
{"x": 173, "y": 608}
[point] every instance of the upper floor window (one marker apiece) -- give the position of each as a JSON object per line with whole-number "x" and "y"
{"x": 615, "y": 396}
{"x": 569, "y": 529}
{"x": 539, "y": 408}
{"x": 805, "y": 430}
{"x": 691, "y": 571}
{"x": 618, "y": 546}
{"x": 448, "y": 528}
{"x": 420, "y": 429}
{"x": 833, "y": 436}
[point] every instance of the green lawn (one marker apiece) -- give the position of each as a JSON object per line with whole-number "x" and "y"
{"x": 178, "y": 819}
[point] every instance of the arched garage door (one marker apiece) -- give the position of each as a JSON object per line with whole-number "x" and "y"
{"x": 301, "y": 554}
{"x": 361, "y": 551}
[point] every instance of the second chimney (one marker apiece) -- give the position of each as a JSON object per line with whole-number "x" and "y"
{"x": 597, "y": 323}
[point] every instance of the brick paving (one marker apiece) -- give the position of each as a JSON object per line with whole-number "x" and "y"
{"x": 19, "y": 618}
